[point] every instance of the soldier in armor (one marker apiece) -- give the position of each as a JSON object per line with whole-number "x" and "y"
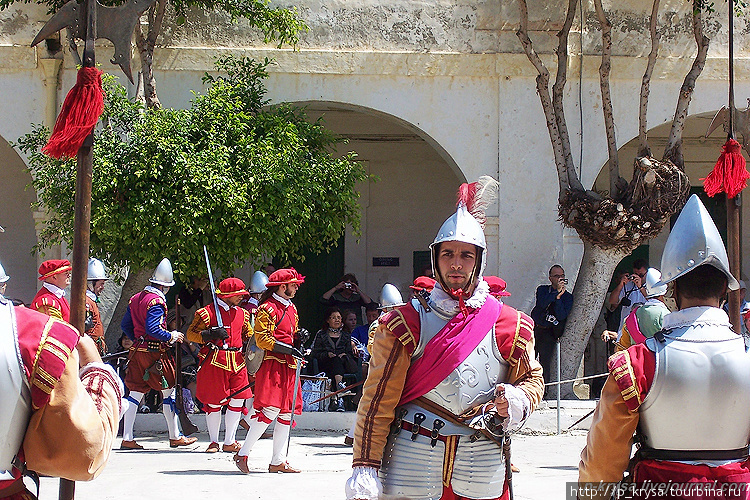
{"x": 685, "y": 392}
{"x": 150, "y": 363}
{"x": 253, "y": 353}
{"x": 50, "y": 299}
{"x": 3, "y": 281}
{"x": 275, "y": 331}
{"x": 419, "y": 399}
{"x": 96, "y": 279}
{"x": 58, "y": 400}
{"x": 222, "y": 377}
{"x": 646, "y": 319}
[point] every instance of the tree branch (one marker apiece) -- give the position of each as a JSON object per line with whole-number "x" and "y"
{"x": 644, "y": 149}
{"x": 154, "y": 26}
{"x": 558, "y": 92}
{"x": 146, "y": 55}
{"x": 615, "y": 182}
{"x": 542, "y": 88}
{"x": 673, "y": 149}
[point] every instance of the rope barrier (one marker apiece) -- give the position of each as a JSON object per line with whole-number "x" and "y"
{"x": 575, "y": 379}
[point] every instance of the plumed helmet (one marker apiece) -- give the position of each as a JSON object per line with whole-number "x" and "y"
{"x": 163, "y": 274}
{"x": 694, "y": 241}
{"x": 258, "y": 282}
{"x": 653, "y": 288}
{"x": 467, "y": 223}
{"x": 3, "y": 277}
{"x": 390, "y": 297}
{"x": 96, "y": 270}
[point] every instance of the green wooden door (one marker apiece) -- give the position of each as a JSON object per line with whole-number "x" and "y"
{"x": 321, "y": 271}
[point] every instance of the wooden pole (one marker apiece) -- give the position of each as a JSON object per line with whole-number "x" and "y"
{"x": 82, "y": 222}
{"x": 734, "y": 251}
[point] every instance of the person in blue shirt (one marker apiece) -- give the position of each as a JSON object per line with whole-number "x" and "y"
{"x": 553, "y": 304}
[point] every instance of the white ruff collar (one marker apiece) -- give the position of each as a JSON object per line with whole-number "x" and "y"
{"x": 448, "y": 306}
{"x": 158, "y": 292}
{"x": 699, "y": 315}
{"x": 281, "y": 299}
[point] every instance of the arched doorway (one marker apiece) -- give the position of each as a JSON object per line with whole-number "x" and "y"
{"x": 700, "y": 153}
{"x": 412, "y": 192}
{"x": 17, "y": 241}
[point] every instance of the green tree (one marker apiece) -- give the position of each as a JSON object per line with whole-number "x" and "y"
{"x": 246, "y": 179}
{"x": 274, "y": 24}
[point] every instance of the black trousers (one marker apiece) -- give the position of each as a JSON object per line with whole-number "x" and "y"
{"x": 544, "y": 345}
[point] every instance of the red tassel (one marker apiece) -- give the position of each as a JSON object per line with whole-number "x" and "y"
{"x": 81, "y": 110}
{"x": 729, "y": 174}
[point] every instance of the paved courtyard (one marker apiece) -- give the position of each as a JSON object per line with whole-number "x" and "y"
{"x": 546, "y": 463}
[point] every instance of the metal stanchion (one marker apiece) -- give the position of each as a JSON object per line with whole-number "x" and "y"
{"x": 557, "y": 348}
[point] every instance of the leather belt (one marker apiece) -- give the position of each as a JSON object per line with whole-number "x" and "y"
{"x": 648, "y": 453}
{"x": 424, "y": 431}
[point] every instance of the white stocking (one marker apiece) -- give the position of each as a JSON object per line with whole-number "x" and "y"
{"x": 257, "y": 428}
{"x": 232, "y": 420}
{"x": 280, "y": 439}
{"x": 129, "y": 414}
{"x": 169, "y": 414}
{"x": 213, "y": 422}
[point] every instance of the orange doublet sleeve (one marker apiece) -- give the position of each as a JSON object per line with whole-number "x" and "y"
{"x": 50, "y": 310}
{"x": 382, "y": 391}
{"x": 201, "y": 321}
{"x": 264, "y": 327}
{"x": 610, "y": 439}
{"x": 71, "y": 436}
{"x": 525, "y": 371}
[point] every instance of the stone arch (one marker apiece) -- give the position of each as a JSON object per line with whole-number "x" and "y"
{"x": 700, "y": 154}
{"x": 17, "y": 219}
{"x": 414, "y": 192}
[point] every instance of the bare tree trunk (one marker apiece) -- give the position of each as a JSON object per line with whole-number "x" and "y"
{"x": 558, "y": 91}
{"x": 673, "y": 149}
{"x": 644, "y": 149}
{"x": 616, "y": 184}
{"x": 146, "y": 45}
{"x": 133, "y": 284}
{"x": 566, "y": 174}
{"x": 597, "y": 267}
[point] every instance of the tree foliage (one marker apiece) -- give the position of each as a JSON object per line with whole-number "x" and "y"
{"x": 247, "y": 179}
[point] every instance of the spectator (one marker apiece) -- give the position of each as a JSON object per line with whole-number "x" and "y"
{"x": 744, "y": 309}
{"x": 553, "y": 304}
{"x": 349, "y": 320}
{"x": 628, "y": 292}
{"x": 347, "y": 295}
{"x": 332, "y": 348}
{"x": 645, "y": 320}
{"x": 371, "y": 314}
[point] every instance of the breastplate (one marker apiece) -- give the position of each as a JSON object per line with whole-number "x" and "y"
{"x": 700, "y": 396}
{"x": 473, "y": 382}
{"x": 15, "y": 411}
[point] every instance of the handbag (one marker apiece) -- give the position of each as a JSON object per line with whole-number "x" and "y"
{"x": 314, "y": 387}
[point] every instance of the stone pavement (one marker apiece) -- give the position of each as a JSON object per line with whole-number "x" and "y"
{"x": 546, "y": 461}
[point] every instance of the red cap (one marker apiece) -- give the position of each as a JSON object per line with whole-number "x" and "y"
{"x": 497, "y": 286}
{"x": 285, "y": 277}
{"x": 53, "y": 267}
{"x": 232, "y": 287}
{"x": 423, "y": 283}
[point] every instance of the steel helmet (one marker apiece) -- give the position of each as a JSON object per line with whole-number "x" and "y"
{"x": 258, "y": 282}
{"x": 390, "y": 297}
{"x": 163, "y": 274}
{"x": 96, "y": 270}
{"x": 653, "y": 276}
{"x": 694, "y": 241}
{"x": 3, "y": 277}
{"x": 467, "y": 223}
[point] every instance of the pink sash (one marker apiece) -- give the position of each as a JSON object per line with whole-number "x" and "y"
{"x": 631, "y": 322}
{"x": 449, "y": 348}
